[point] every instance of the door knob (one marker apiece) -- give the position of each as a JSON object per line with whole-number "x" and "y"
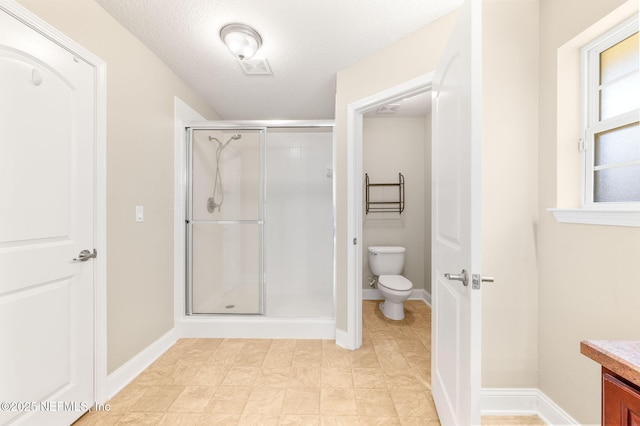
{"x": 464, "y": 277}
{"x": 85, "y": 255}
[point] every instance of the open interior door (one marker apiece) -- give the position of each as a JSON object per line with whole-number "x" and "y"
{"x": 456, "y": 222}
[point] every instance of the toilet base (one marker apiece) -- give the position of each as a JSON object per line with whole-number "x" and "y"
{"x": 392, "y": 310}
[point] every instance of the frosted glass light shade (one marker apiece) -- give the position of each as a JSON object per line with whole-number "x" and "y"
{"x": 242, "y": 41}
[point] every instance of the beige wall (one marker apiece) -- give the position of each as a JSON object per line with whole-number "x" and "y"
{"x": 140, "y": 101}
{"x": 392, "y": 145}
{"x": 409, "y": 58}
{"x": 509, "y": 193}
{"x": 587, "y": 288}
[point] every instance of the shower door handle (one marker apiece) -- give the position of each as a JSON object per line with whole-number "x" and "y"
{"x": 85, "y": 255}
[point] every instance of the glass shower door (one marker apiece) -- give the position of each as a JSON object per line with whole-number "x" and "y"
{"x": 225, "y": 221}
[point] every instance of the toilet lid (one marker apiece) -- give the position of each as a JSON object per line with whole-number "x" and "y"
{"x": 395, "y": 282}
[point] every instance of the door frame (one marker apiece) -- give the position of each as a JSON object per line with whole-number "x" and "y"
{"x": 99, "y": 183}
{"x": 352, "y": 339}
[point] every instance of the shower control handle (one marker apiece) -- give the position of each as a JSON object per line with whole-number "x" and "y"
{"x": 86, "y": 255}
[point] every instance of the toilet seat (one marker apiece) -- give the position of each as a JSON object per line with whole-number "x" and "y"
{"x": 395, "y": 282}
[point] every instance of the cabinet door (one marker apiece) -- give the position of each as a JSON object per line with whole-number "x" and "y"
{"x": 620, "y": 403}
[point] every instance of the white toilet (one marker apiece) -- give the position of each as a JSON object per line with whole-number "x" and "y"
{"x": 386, "y": 262}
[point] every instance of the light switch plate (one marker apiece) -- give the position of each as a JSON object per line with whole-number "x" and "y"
{"x": 139, "y": 214}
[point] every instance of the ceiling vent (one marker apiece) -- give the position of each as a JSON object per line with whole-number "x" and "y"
{"x": 388, "y": 109}
{"x": 255, "y": 66}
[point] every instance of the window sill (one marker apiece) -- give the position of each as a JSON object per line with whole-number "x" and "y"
{"x": 598, "y": 217}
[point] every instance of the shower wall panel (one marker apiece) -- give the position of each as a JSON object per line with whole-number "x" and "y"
{"x": 299, "y": 222}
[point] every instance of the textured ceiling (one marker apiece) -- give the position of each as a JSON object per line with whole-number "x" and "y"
{"x": 306, "y": 42}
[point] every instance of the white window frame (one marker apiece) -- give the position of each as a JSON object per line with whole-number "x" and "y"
{"x": 620, "y": 214}
{"x": 591, "y": 123}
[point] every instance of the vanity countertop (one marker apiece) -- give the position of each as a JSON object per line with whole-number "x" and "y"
{"x": 620, "y": 356}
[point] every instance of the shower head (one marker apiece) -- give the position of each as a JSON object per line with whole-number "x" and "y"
{"x": 234, "y": 137}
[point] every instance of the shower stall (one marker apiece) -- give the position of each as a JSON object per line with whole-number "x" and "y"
{"x": 260, "y": 221}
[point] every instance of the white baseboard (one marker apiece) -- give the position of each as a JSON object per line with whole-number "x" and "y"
{"x": 117, "y": 380}
{"x": 424, "y": 296}
{"x": 418, "y": 294}
{"x": 523, "y": 402}
{"x": 343, "y": 340}
{"x": 371, "y": 294}
{"x": 508, "y": 401}
{"x": 551, "y": 412}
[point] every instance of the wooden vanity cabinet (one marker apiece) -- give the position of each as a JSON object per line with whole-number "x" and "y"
{"x": 620, "y": 401}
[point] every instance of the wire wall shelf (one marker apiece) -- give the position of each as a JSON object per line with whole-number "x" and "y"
{"x": 393, "y": 205}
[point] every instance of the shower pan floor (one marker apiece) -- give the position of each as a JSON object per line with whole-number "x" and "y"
{"x": 236, "y": 300}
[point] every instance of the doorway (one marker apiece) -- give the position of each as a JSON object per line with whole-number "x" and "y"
{"x": 397, "y": 162}
{"x": 355, "y": 182}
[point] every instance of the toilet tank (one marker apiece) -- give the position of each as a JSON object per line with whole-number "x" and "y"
{"x": 386, "y": 260}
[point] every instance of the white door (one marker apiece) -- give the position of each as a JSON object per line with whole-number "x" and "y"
{"x": 456, "y": 223}
{"x": 47, "y": 134}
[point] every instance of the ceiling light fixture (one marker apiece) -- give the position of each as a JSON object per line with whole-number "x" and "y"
{"x": 241, "y": 40}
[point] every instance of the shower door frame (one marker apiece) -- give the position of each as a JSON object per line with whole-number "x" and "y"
{"x": 189, "y": 216}
{"x": 238, "y": 126}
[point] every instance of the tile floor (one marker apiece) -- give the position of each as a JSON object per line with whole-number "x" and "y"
{"x": 291, "y": 382}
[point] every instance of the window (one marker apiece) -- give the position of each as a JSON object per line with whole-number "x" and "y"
{"x": 611, "y": 119}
